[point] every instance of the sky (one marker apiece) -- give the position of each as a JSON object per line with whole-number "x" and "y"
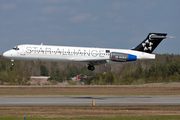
{"x": 120, "y": 24}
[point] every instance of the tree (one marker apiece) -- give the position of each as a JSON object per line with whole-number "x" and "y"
{"x": 44, "y": 71}
{"x": 109, "y": 77}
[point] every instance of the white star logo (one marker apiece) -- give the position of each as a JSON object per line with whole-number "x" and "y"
{"x": 147, "y": 45}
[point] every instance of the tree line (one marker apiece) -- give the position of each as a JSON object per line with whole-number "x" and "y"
{"x": 165, "y": 68}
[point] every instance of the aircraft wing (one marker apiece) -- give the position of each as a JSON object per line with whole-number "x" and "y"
{"x": 91, "y": 61}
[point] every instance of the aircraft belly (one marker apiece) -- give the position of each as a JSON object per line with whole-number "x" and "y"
{"x": 54, "y": 58}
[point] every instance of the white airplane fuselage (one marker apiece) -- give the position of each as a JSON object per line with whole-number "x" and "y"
{"x": 69, "y": 54}
{"x": 90, "y": 56}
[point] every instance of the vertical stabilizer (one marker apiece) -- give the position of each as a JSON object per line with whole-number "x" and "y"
{"x": 151, "y": 42}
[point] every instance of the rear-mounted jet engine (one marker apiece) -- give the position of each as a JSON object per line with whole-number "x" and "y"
{"x": 122, "y": 57}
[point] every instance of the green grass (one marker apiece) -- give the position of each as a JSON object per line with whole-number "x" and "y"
{"x": 119, "y": 117}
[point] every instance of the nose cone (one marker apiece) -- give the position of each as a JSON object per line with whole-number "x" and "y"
{"x": 6, "y": 54}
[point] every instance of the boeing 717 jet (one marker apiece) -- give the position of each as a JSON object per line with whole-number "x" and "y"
{"x": 88, "y": 55}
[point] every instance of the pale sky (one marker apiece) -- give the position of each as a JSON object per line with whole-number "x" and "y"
{"x": 120, "y": 24}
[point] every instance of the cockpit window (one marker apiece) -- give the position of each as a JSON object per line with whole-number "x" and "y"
{"x": 16, "y": 48}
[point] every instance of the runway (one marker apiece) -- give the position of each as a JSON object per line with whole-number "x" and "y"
{"x": 81, "y": 101}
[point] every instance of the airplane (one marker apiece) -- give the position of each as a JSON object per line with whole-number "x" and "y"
{"x": 88, "y": 55}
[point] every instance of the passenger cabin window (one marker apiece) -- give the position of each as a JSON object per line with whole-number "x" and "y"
{"x": 16, "y": 48}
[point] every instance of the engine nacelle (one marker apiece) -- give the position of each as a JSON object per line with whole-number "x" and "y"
{"x": 122, "y": 57}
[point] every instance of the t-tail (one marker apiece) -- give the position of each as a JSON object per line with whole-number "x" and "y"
{"x": 151, "y": 42}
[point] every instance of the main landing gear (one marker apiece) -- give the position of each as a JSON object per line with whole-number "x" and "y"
{"x": 91, "y": 67}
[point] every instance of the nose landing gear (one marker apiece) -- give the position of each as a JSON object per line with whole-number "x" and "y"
{"x": 12, "y": 64}
{"x": 91, "y": 67}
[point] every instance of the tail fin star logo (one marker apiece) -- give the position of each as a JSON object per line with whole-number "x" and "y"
{"x": 147, "y": 45}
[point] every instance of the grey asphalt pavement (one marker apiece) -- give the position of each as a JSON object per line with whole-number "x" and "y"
{"x": 53, "y": 101}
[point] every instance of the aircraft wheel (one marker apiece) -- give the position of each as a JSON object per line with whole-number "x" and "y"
{"x": 91, "y": 67}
